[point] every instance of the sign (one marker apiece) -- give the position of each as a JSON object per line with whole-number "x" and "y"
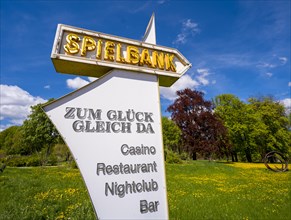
{"x": 89, "y": 53}
{"x": 113, "y": 129}
{"x": 113, "y": 125}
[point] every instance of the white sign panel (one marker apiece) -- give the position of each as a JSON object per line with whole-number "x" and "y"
{"x": 113, "y": 129}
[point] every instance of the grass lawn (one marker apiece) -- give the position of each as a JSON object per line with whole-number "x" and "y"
{"x": 209, "y": 190}
{"x": 43, "y": 193}
{"x": 198, "y": 190}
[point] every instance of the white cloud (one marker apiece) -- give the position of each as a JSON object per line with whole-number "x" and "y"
{"x": 189, "y": 28}
{"x": 287, "y": 103}
{"x": 266, "y": 65}
{"x": 189, "y": 25}
{"x": 289, "y": 84}
{"x": 47, "y": 87}
{"x": 200, "y": 79}
{"x": 14, "y": 111}
{"x": 273, "y": 62}
{"x": 76, "y": 83}
{"x": 160, "y": 2}
{"x": 13, "y": 95}
{"x": 269, "y": 74}
{"x": 283, "y": 60}
{"x": 181, "y": 39}
{"x": 15, "y": 105}
{"x": 203, "y": 73}
{"x": 184, "y": 82}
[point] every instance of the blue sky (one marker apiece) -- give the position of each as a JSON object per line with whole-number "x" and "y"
{"x": 237, "y": 47}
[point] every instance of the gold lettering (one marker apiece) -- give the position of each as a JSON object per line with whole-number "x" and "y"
{"x": 170, "y": 66}
{"x": 72, "y": 46}
{"x": 99, "y": 49}
{"x": 109, "y": 51}
{"x": 145, "y": 58}
{"x": 119, "y": 58}
{"x": 88, "y": 44}
{"x": 132, "y": 56}
{"x": 158, "y": 60}
{"x": 114, "y": 51}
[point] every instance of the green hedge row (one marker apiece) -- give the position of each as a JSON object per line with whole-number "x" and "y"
{"x": 28, "y": 161}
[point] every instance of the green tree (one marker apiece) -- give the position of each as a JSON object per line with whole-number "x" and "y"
{"x": 171, "y": 135}
{"x": 254, "y": 128}
{"x": 39, "y": 132}
{"x": 11, "y": 140}
{"x": 227, "y": 106}
{"x": 239, "y": 122}
{"x": 272, "y": 132}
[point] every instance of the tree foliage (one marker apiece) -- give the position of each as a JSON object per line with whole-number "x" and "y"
{"x": 254, "y": 128}
{"x": 39, "y": 132}
{"x": 273, "y": 123}
{"x": 171, "y": 135}
{"x": 201, "y": 130}
{"x": 11, "y": 140}
{"x": 233, "y": 113}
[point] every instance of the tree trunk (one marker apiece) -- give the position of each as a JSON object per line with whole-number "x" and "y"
{"x": 234, "y": 157}
{"x": 194, "y": 156}
{"x": 248, "y": 155}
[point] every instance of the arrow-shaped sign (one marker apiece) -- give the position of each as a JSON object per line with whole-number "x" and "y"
{"x": 83, "y": 52}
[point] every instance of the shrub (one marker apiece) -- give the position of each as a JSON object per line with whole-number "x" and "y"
{"x": 22, "y": 161}
{"x": 184, "y": 156}
{"x": 2, "y": 154}
{"x": 33, "y": 161}
{"x": 172, "y": 157}
{"x": 15, "y": 161}
{"x": 52, "y": 160}
{"x": 61, "y": 152}
{"x": 2, "y": 167}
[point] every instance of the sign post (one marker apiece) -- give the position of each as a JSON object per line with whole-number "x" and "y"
{"x": 113, "y": 125}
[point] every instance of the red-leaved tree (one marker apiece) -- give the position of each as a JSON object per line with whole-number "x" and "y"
{"x": 202, "y": 131}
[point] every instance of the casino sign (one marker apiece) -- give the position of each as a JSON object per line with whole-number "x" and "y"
{"x": 88, "y": 53}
